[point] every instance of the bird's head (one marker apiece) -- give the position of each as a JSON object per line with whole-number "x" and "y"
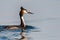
{"x": 25, "y": 11}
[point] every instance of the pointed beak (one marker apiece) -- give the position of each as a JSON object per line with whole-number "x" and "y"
{"x": 30, "y": 13}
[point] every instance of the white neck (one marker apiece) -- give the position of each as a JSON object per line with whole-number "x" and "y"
{"x": 22, "y": 20}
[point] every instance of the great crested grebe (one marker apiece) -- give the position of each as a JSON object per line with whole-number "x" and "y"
{"x": 21, "y": 14}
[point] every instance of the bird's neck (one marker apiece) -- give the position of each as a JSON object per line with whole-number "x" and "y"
{"x": 22, "y": 21}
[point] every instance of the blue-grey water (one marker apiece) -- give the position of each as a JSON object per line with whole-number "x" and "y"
{"x": 46, "y": 18}
{"x": 17, "y": 34}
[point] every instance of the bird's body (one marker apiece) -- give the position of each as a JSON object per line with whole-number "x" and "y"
{"x": 21, "y": 14}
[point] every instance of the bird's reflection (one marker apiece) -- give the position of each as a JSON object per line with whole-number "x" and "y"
{"x": 23, "y": 36}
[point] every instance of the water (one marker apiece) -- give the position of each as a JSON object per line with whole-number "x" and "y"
{"x": 16, "y": 34}
{"x": 48, "y": 30}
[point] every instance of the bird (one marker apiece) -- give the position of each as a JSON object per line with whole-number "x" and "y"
{"x": 22, "y": 24}
{"x": 21, "y": 13}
